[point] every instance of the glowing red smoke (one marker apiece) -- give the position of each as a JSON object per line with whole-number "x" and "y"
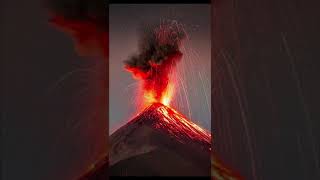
{"x": 157, "y": 86}
{"x": 89, "y": 38}
{"x": 158, "y": 55}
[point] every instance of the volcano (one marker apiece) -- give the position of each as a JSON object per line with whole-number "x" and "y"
{"x": 160, "y": 142}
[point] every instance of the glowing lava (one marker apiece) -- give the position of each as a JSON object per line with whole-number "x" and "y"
{"x": 168, "y": 120}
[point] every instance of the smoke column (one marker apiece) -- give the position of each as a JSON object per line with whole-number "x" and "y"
{"x": 157, "y": 57}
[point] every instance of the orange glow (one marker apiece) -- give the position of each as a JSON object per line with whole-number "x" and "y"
{"x": 149, "y": 98}
{"x": 166, "y": 96}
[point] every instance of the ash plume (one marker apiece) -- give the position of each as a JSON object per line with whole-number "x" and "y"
{"x": 159, "y": 51}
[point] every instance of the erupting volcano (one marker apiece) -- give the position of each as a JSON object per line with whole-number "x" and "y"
{"x": 159, "y": 141}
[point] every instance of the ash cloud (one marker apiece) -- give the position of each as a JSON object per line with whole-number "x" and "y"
{"x": 156, "y": 45}
{"x": 159, "y": 51}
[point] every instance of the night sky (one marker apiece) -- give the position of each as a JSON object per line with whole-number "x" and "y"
{"x": 193, "y": 69}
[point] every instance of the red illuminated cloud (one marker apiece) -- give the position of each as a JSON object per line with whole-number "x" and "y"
{"x": 89, "y": 39}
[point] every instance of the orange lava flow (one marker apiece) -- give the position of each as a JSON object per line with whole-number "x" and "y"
{"x": 176, "y": 125}
{"x": 178, "y": 120}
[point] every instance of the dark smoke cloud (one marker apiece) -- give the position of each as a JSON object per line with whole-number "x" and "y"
{"x": 157, "y": 44}
{"x": 159, "y": 51}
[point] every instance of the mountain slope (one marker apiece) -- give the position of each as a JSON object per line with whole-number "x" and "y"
{"x": 160, "y": 142}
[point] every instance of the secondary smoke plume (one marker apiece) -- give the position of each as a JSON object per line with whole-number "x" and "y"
{"x": 159, "y": 51}
{"x": 85, "y": 21}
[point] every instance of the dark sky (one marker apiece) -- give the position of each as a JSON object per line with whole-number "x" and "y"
{"x": 52, "y": 126}
{"x": 192, "y": 96}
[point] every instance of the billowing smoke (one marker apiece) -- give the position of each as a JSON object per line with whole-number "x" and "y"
{"x": 159, "y": 51}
